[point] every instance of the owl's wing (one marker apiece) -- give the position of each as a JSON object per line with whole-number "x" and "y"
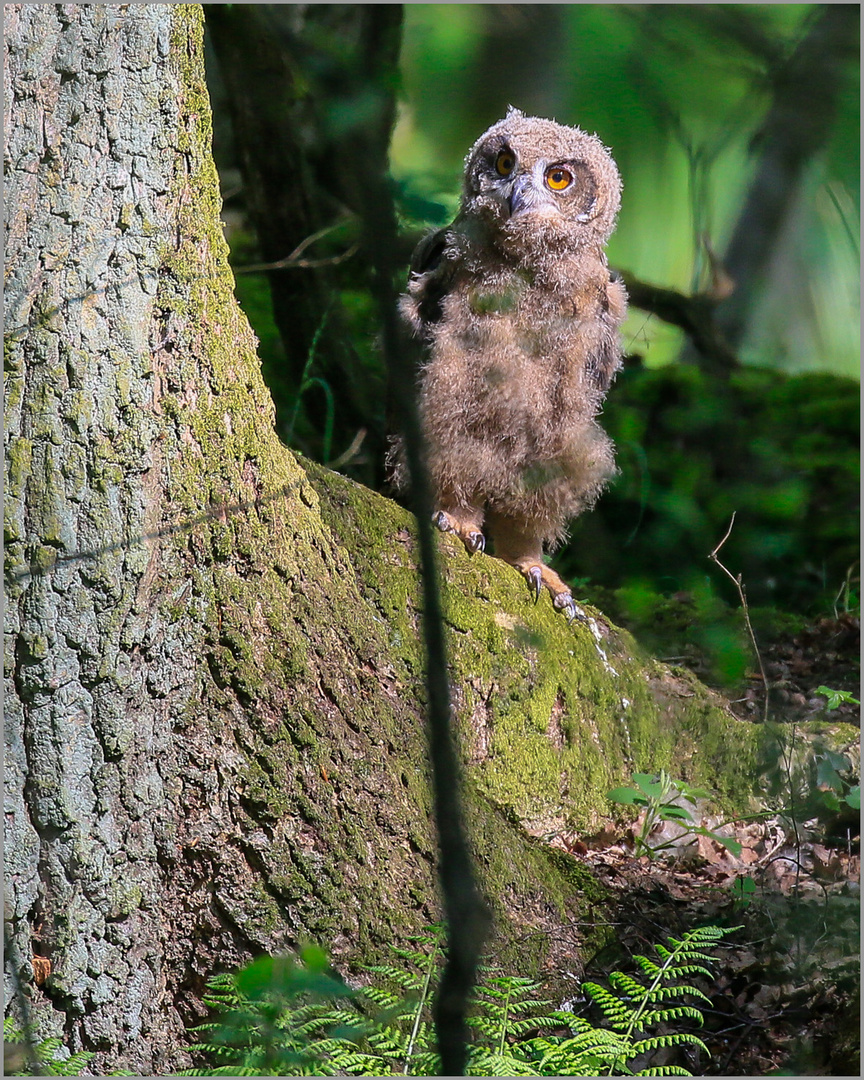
{"x": 429, "y": 281}
{"x": 607, "y": 360}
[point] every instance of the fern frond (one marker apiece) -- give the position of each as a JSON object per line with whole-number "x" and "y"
{"x": 72, "y": 1065}
{"x": 382, "y": 1031}
{"x": 426, "y": 1064}
{"x": 675, "y": 1012}
{"x": 693, "y": 956}
{"x": 648, "y": 966}
{"x": 668, "y": 993}
{"x": 408, "y": 980}
{"x": 531, "y": 1023}
{"x": 383, "y": 998}
{"x": 358, "y": 1064}
{"x": 655, "y": 1042}
{"x": 585, "y": 1056}
{"x": 47, "y": 1050}
{"x": 484, "y": 1025}
{"x": 390, "y": 1041}
{"x": 214, "y": 1049}
{"x": 564, "y": 1018}
{"x": 224, "y": 1070}
{"x": 627, "y": 984}
{"x": 682, "y": 971}
{"x": 665, "y": 1070}
{"x": 487, "y": 1063}
{"x": 616, "y": 1012}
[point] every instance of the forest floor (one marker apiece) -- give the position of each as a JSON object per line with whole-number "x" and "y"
{"x": 787, "y": 995}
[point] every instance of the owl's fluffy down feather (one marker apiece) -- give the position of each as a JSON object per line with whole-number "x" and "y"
{"x": 520, "y": 318}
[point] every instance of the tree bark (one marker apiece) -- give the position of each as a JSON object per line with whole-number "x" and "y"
{"x": 214, "y": 714}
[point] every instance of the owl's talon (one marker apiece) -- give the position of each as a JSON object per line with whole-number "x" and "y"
{"x": 565, "y": 603}
{"x": 474, "y": 542}
{"x": 442, "y": 522}
{"x": 535, "y": 581}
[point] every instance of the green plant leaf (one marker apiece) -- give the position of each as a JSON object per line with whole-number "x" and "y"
{"x": 648, "y": 784}
{"x": 625, "y": 795}
{"x": 836, "y": 698}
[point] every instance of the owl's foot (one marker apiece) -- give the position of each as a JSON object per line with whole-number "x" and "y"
{"x": 537, "y": 575}
{"x": 466, "y": 529}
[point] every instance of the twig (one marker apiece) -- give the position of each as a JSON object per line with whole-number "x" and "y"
{"x": 695, "y": 315}
{"x": 787, "y": 753}
{"x": 348, "y": 455}
{"x": 289, "y": 263}
{"x": 293, "y": 259}
{"x": 465, "y": 911}
{"x": 845, "y": 587}
{"x": 744, "y": 607}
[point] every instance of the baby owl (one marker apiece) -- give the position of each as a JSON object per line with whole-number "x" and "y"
{"x": 519, "y": 315}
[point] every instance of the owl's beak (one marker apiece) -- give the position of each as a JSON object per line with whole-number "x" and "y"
{"x": 521, "y": 195}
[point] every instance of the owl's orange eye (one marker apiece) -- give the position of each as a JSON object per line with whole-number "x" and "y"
{"x": 558, "y": 178}
{"x": 505, "y": 163}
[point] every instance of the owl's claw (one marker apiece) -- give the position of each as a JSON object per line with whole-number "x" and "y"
{"x": 474, "y": 542}
{"x": 565, "y": 603}
{"x": 535, "y": 581}
{"x": 471, "y": 537}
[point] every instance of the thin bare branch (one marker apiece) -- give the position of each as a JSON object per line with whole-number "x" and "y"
{"x": 745, "y": 608}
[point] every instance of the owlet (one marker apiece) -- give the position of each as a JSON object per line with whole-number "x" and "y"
{"x": 519, "y": 317}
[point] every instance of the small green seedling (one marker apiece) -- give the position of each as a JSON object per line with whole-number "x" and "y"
{"x": 661, "y": 798}
{"x": 836, "y": 698}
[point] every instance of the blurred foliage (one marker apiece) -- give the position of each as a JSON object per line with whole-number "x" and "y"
{"x": 47, "y": 1057}
{"x": 781, "y": 451}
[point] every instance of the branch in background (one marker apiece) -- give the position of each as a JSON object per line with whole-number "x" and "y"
{"x": 295, "y": 258}
{"x": 695, "y": 315}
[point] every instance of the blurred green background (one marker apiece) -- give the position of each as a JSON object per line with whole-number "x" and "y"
{"x": 677, "y": 92}
{"x": 699, "y": 104}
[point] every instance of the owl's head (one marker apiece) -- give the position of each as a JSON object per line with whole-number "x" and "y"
{"x": 526, "y": 174}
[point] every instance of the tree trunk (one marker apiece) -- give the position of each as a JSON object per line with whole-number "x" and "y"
{"x": 214, "y": 718}
{"x": 794, "y": 132}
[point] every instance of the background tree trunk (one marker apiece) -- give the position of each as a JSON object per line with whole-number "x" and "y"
{"x": 305, "y": 88}
{"x": 213, "y": 709}
{"x": 795, "y": 131}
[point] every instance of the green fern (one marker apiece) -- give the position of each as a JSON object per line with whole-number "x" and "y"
{"x": 45, "y": 1053}
{"x": 636, "y": 1007}
{"x": 288, "y": 1019}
